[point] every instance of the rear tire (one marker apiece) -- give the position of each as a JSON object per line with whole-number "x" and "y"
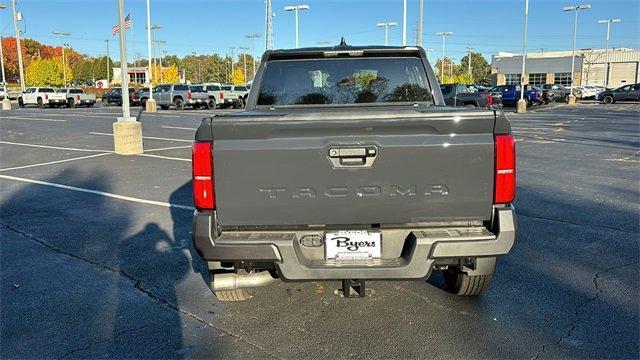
{"x": 608, "y": 99}
{"x": 240, "y": 104}
{"x": 40, "y": 103}
{"x": 462, "y": 284}
{"x": 178, "y": 103}
{"x": 20, "y": 103}
{"x": 229, "y": 295}
{"x": 71, "y": 103}
{"x": 211, "y": 104}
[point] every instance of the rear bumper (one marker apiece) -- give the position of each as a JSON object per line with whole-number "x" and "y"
{"x": 407, "y": 253}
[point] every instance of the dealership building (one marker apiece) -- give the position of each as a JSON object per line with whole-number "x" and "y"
{"x": 611, "y": 68}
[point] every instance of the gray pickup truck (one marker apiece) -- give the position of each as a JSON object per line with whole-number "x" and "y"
{"x": 177, "y": 95}
{"x": 346, "y": 165}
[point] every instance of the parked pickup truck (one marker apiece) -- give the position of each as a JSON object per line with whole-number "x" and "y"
{"x": 114, "y": 97}
{"x": 234, "y": 96}
{"x": 347, "y": 165}
{"x": 199, "y": 96}
{"x": 40, "y": 96}
{"x": 176, "y": 95}
{"x": 77, "y": 97}
{"x": 511, "y": 94}
{"x": 216, "y": 96}
{"x": 461, "y": 95}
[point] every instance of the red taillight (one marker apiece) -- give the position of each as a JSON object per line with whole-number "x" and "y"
{"x": 188, "y": 95}
{"x": 202, "y": 165}
{"x": 46, "y": 96}
{"x": 490, "y": 99}
{"x": 78, "y": 97}
{"x": 505, "y": 169}
{"x": 221, "y": 95}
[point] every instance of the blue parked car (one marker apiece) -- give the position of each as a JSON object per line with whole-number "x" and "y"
{"x": 511, "y": 94}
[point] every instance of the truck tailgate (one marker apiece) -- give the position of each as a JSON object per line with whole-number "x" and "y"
{"x": 371, "y": 166}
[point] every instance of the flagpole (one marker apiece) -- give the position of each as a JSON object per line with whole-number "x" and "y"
{"x": 133, "y": 41}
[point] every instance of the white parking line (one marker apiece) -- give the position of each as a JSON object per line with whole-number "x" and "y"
{"x": 54, "y": 147}
{"x": 55, "y": 162}
{"x": 179, "y": 128}
{"x": 146, "y": 137}
{"x": 169, "y": 148}
{"x": 162, "y": 157}
{"x": 31, "y": 119}
{"x": 101, "y": 193}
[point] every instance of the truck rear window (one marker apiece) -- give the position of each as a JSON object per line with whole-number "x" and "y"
{"x": 344, "y": 81}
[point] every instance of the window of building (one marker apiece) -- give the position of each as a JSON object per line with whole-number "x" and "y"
{"x": 537, "y": 79}
{"x": 511, "y": 79}
{"x": 562, "y": 78}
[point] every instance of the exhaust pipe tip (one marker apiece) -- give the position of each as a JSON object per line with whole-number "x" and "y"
{"x": 232, "y": 281}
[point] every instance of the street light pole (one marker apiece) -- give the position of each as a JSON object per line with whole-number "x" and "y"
{"x": 404, "y": 23}
{"x": 64, "y": 63}
{"x": 522, "y": 103}
{"x": 444, "y": 35}
{"x": 420, "y": 23}
{"x": 386, "y": 25}
{"x": 150, "y": 105}
{"x": 296, "y": 9}
{"x": 158, "y": 42}
{"x": 253, "y": 37}
{"x": 127, "y": 132}
{"x": 107, "y": 42}
{"x": 575, "y": 9}
{"x": 469, "y": 49}
{"x": 244, "y": 60}
{"x": 18, "y": 44}
{"x": 6, "y": 103}
{"x": 606, "y": 43}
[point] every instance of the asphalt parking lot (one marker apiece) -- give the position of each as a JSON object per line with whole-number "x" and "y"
{"x": 96, "y": 256}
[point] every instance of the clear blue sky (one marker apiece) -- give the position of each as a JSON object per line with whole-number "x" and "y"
{"x": 213, "y": 26}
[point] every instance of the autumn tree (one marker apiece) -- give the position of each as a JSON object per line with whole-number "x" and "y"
{"x": 11, "y": 57}
{"x": 46, "y": 72}
{"x": 237, "y": 78}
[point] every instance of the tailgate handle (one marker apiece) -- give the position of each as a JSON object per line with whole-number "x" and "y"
{"x": 350, "y": 156}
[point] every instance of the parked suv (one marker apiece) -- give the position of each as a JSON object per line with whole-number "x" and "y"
{"x": 623, "y": 93}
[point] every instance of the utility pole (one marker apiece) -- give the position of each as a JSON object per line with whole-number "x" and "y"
{"x": 108, "y": 68}
{"x": 404, "y": 23}
{"x": 127, "y": 132}
{"x": 386, "y": 25}
{"x": 420, "y": 24}
{"x": 521, "y": 106}
{"x": 575, "y": 9}
{"x": 253, "y": 37}
{"x": 17, "y": 17}
{"x": 150, "y": 105}
{"x": 606, "y": 45}
{"x": 296, "y": 9}
{"x": 64, "y": 63}
{"x": 444, "y": 35}
{"x": 268, "y": 26}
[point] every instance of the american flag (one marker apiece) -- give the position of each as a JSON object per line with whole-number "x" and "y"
{"x": 127, "y": 25}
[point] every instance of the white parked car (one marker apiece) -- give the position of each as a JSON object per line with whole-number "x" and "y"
{"x": 41, "y": 96}
{"x": 586, "y": 92}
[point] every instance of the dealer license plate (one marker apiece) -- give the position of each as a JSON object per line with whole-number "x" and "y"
{"x": 352, "y": 245}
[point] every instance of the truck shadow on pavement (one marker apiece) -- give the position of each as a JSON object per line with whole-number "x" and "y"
{"x": 90, "y": 276}
{"x": 100, "y": 277}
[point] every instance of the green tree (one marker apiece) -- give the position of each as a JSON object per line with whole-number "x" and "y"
{"x": 480, "y": 68}
{"x": 46, "y": 72}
